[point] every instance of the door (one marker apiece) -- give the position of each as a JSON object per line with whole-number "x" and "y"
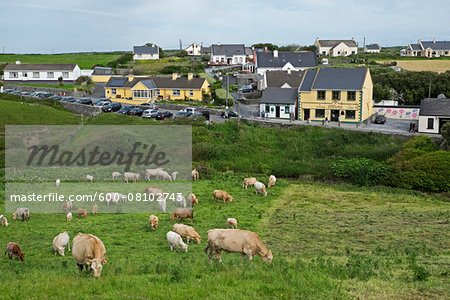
{"x": 277, "y": 111}
{"x": 334, "y": 115}
{"x": 306, "y": 114}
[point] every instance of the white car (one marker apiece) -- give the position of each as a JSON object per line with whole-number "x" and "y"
{"x": 190, "y": 110}
{"x": 149, "y": 113}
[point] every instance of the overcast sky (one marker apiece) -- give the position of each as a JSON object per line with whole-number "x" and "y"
{"x": 46, "y": 26}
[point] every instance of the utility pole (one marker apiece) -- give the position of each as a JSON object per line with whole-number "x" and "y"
{"x": 181, "y": 45}
{"x": 228, "y": 83}
{"x": 429, "y": 89}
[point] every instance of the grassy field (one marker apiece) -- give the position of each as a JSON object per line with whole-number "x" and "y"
{"x": 66, "y": 86}
{"x": 154, "y": 67}
{"x": 84, "y": 60}
{"x": 438, "y": 66}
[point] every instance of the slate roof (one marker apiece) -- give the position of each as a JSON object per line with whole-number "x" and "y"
{"x": 415, "y": 47}
{"x": 438, "y": 45}
{"x": 228, "y": 49}
{"x": 274, "y": 95}
{"x": 145, "y": 50}
{"x": 206, "y": 50}
{"x": 280, "y": 78}
{"x": 297, "y": 59}
{"x": 334, "y": 43}
{"x": 149, "y": 83}
{"x": 350, "y": 79}
{"x": 158, "y": 82}
{"x": 373, "y": 47}
{"x": 435, "y": 107}
{"x": 40, "y": 67}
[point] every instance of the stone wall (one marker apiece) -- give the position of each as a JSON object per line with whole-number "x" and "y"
{"x": 82, "y": 109}
{"x": 32, "y": 89}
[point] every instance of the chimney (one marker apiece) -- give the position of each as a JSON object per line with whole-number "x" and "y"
{"x": 174, "y": 76}
{"x": 130, "y": 78}
{"x": 289, "y": 71}
{"x": 190, "y": 76}
{"x": 434, "y": 41}
{"x": 275, "y": 53}
{"x": 153, "y": 45}
{"x": 265, "y": 49}
{"x": 218, "y": 43}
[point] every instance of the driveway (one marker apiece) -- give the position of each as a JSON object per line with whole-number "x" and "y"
{"x": 392, "y": 125}
{"x": 99, "y": 91}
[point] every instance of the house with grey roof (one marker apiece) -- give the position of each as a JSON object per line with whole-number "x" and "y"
{"x": 41, "y": 73}
{"x": 372, "y": 48}
{"x": 194, "y": 49}
{"x": 336, "y": 94}
{"x": 284, "y": 61}
{"x": 145, "y": 52}
{"x": 433, "y": 114}
{"x": 335, "y": 48}
{"x": 282, "y": 79}
{"x": 279, "y": 103}
{"x": 228, "y": 54}
{"x": 429, "y": 48}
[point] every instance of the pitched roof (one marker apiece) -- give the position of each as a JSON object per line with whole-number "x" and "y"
{"x": 206, "y": 50}
{"x": 435, "y": 107}
{"x": 436, "y": 45}
{"x": 40, "y": 67}
{"x": 415, "y": 47}
{"x": 149, "y": 83}
{"x": 145, "y": 49}
{"x": 373, "y": 47}
{"x": 228, "y": 49}
{"x": 308, "y": 80}
{"x": 280, "y": 78}
{"x": 276, "y": 95}
{"x": 158, "y": 82}
{"x": 351, "y": 79}
{"x": 297, "y": 59}
{"x": 248, "y": 51}
{"x": 334, "y": 43}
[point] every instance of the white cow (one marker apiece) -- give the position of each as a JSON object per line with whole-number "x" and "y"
{"x": 69, "y": 217}
{"x": 89, "y": 178}
{"x": 131, "y": 176}
{"x": 152, "y": 173}
{"x": 115, "y": 175}
{"x": 175, "y": 241}
{"x": 58, "y": 182}
{"x": 60, "y": 241}
{"x": 260, "y": 188}
{"x": 174, "y": 175}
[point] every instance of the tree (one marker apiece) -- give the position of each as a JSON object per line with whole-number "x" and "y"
{"x": 182, "y": 53}
{"x": 445, "y": 132}
{"x": 269, "y": 46}
{"x": 61, "y": 81}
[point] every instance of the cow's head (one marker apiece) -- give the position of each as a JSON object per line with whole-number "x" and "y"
{"x": 184, "y": 247}
{"x": 198, "y": 239}
{"x": 172, "y": 217}
{"x": 14, "y": 216}
{"x": 22, "y": 256}
{"x": 267, "y": 257}
{"x": 230, "y": 198}
{"x": 96, "y": 265}
{"x": 265, "y": 192}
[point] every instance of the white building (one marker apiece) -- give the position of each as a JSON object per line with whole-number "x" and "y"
{"x": 44, "y": 73}
{"x": 336, "y": 48}
{"x": 279, "y": 103}
{"x": 434, "y": 113}
{"x": 284, "y": 61}
{"x": 228, "y": 54}
{"x": 372, "y": 48}
{"x": 145, "y": 52}
{"x": 194, "y": 49}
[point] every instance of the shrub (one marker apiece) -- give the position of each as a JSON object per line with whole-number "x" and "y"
{"x": 176, "y": 69}
{"x": 84, "y": 79}
{"x": 361, "y": 171}
{"x": 445, "y": 131}
{"x": 182, "y": 53}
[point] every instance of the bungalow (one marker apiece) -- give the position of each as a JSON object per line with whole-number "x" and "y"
{"x": 429, "y": 49}
{"x": 336, "y": 48}
{"x": 194, "y": 49}
{"x": 372, "y": 48}
{"x": 145, "y": 52}
{"x": 282, "y": 79}
{"x": 330, "y": 93}
{"x": 277, "y": 61}
{"x": 434, "y": 113}
{"x": 43, "y": 73}
{"x": 229, "y": 54}
{"x": 278, "y": 102}
{"x": 137, "y": 90}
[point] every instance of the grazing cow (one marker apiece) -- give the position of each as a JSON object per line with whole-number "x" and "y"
{"x": 82, "y": 212}
{"x": 193, "y": 199}
{"x": 67, "y": 206}
{"x": 60, "y": 241}
{"x": 89, "y": 251}
{"x": 115, "y": 175}
{"x": 4, "y": 221}
{"x": 182, "y": 213}
{"x": 69, "y": 217}
{"x": 89, "y": 178}
{"x": 58, "y": 182}
{"x": 175, "y": 241}
{"x": 181, "y": 200}
{"x": 260, "y": 188}
{"x": 94, "y": 209}
{"x": 156, "y": 194}
{"x": 232, "y": 222}
{"x": 149, "y": 173}
{"x": 222, "y": 195}
{"x": 13, "y": 249}
{"x": 115, "y": 198}
{"x": 131, "y": 176}
{"x": 188, "y": 232}
{"x": 236, "y": 241}
{"x": 174, "y": 175}
{"x": 163, "y": 175}
{"x": 153, "y": 220}
{"x": 195, "y": 175}
{"x": 248, "y": 181}
{"x": 23, "y": 213}
{"x": 272, "y": 180}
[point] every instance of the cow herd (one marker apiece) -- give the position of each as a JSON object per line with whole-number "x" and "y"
{"x": 89, "y": 251}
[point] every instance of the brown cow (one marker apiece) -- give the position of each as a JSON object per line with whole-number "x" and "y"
{"x": 248, "y": 181}
{"x": 13, "y": 249}
{"x": 82, "y": 212}
{"x": 222, "y": 195}
{"x": 153, "y": 220}
{"x": 182, "y": 213}
{"x": 89, "y": 251}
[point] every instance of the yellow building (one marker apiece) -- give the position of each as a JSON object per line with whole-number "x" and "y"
{"x": 330, "y": 93}
{"x": 137, "y": 90}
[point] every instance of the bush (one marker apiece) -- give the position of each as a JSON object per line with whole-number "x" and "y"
{"x": 182, "y": 53}
{"x": 121, "y": 60}
{"x": 445, "y": 131}
{"x": 361, "y": 171}
{"x": 206, "y": 57}
{"x": 84, "y": 79}
{"x": 176, "y": 69}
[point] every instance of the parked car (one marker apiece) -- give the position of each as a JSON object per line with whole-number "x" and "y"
{"x": 189, "y": 110}
{"x": 181, "y": 114}
{"x": 8, "y": 91}
{"x": 101, "y": 100}
{"x": 135, "y": 111}
{"x": 245, "y": 89}
{"x": 68, "y": 99}
{"x": 44, "y": 95}
{"x": 231, "y": 113}
{"x": 149, "y": 113}
{"x": 112, "y": 107}
{"x": 147, "y": 105}
{"x": 161, "y": 115}
{"x": 86, "y": 101}
{"x": 380, "y": 119}
{"x": 25, "y": 93}
{"x": 196, "y": 115}
{"x": 101, "y": 103}
{"x": 56, "y": 97}
{"x": 126, "y": 109}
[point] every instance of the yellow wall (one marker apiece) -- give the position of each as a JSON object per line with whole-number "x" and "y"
{"x": 100, "y": 78}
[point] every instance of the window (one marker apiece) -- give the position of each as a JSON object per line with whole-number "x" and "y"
{"x": 324, "y": 52}
{"x": 267, "y": 108}
{"x": 175, "y": 92}
{"x": 320, "y": 113}
{"x": 35, "y": 74}
{"x": 446, "y": 52}
{"x": 50, "y": 75}
{"x": 350, "y": 114}
{"x": 353, "y": 52}
{"x": 430, "y": 123}
{"x": 157, "y": 92}
{"x": 339, "y": 52}
{"x": 140, "y": 94}
{"x": 191, "y": 93}
{"x": 286, "y": 109}
{"x": 351, "y": 95}
{"x": 13, "y": 74}
{"x": 335, "y": 95}
{"x": 320, "y": 95}
{"x": 113, "y": 91}
{"x": 65, "y": 74}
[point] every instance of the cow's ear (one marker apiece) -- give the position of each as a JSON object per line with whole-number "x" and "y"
{"x": 104, "y": 261}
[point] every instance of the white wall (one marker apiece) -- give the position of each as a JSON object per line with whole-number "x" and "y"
{"x": 423, "y": 124}
{"x": 195, "y": 49}
{"x": 272, "y": 114}
{"x": 43, "y": 75}
{"x": 236, "y": 59}
{"x": 372, "y": 50}
{"x": 343, "y": 50}
{"x": 145, "y": 56}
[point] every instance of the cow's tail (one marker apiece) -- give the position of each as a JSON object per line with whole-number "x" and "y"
{"x": 205, "y": 250}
